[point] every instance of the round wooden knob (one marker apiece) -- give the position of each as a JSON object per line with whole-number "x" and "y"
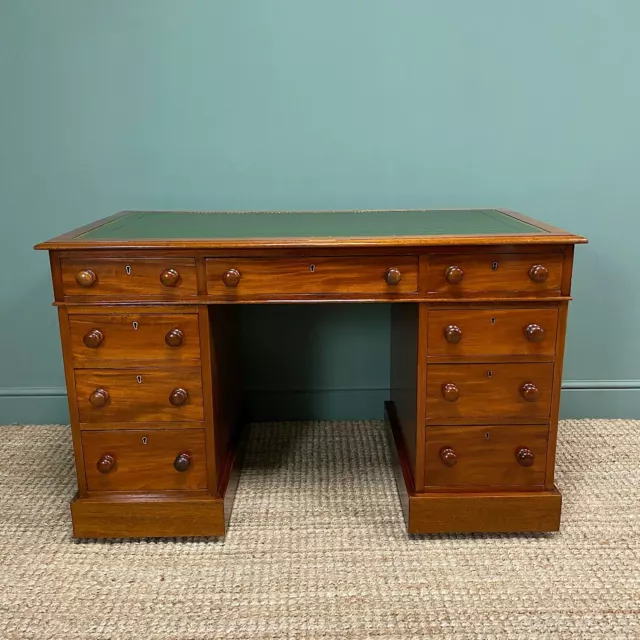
{"x": 93, "y": 339}
{"x": 182, "y": 462}
{"x": 534, "y": 333}
{"x": 538, "y": 273}
{"x": 448, "y": 456}
{"x": 106, "y": 463}
{"x": 393, "y": 276}
{"x": 530, "y": 392}
{"x": 178, "y": 397}
{"x": 170, "y": 278}
{"x": 450, "y": 392}
{"x": 174, "y": 338}
{"x": 231, "y": 277}
{"x": 86, "y": 278}
{"x": 453, "y": 334}
{"x": 99, "y": 398}
{"x": 524, "y": 457}
{"x": 453, "y": 275}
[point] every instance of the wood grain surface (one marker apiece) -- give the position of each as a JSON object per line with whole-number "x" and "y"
{"x": 312, "y": 275}
{"x": 485, "y": 456}
{"x": 494, "y": 273}
{"x": 496, "y": 332}
{"x": 144, "y": 459}
{"x": 488, "y": 390}
{"x": 135, "y": 337}
{"x": 171, "y": 514}
{"x": 129, "y": 278}
{"x": 139, "y": 395}
{"x": 490, "y": 512}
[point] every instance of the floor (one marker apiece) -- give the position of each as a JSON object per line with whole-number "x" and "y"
{"x": 317, "y": 549}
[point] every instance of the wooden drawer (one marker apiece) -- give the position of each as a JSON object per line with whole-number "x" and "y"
{"x": 99, "y": 339}
{"x": 494, "y": 274}
{"x": 237, "y": 277}
{"x": 497, "y": 332}
{"x": 506, "y": 456}
{"x": 139, "y": 460}
{"x": 161, "y": 278}
{"x": 488, "y": 391}
{"x": 113, "y": 395}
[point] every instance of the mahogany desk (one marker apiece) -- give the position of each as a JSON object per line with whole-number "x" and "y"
{"x": 146, "y": 304}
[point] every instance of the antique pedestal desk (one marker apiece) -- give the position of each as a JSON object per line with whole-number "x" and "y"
{"x": 147, "y": 304}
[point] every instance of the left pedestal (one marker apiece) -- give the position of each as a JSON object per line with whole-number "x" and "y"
{"x": 153, "y": 422}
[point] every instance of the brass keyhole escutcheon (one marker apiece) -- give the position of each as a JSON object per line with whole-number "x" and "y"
{"x": 493, "y": 320}
{"x": 312, "y": 268}
{"x": 135, "y": 325}
{"x": 139, "y": 379}
{"x": 487, "y": 435}
{"x": 128, "y": 269}
{"x": 489, "y": 374}
{"x": 144, "y": 440}
{"x": 494, "y": 266}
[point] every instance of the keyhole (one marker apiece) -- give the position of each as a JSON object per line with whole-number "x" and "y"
{"x": 493, "y": 320}
{"x": 139, "y": 379}
{"x": 489, "y": 374}
{"x": 144, "y": 439}
{"x": 135, "y": 325}
{"x": 494, "y": 266}
{"x": 312, "y": 268}
{"x": 487, "y": 435}
{"x": 128, "y": 270}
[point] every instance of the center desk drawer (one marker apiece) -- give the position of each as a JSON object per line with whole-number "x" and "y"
{"x": 495, "y": 274}
{"x": 108, "y": 395}
{"x": 314, "y": 275}
{"x": 145, "y": 460}
{"x": 100, "y": 338}
{"x": 133, "y": 278}
{"x": 488, "y": 391}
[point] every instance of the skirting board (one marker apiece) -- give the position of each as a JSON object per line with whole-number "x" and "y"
{"x": 596, "y": 399}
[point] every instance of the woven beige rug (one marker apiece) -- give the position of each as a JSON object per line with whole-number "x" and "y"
{"x": 305, "y": 559}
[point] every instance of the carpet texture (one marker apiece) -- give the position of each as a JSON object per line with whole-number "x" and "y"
{"x": 317, "y": 549}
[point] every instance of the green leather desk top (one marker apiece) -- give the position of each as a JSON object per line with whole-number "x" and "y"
{"x": 167, "y": 225}
{"x": 305, "y": 228}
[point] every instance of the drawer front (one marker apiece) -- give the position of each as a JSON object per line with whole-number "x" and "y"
{"x": 485, "y": 391}
{"x": 102, "y": 338}
{"x": 129, "y": 278}
{"x": 504, "y": 274}
{"x": 498, "y": 332}
{"x": 106, "y": 395}
{"x": 506, "y": 456}
{"x": 314, "y": 275}
{"x": 135, "y": 460}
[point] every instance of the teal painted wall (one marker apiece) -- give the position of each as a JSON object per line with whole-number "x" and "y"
{"x": 106, "y": 105}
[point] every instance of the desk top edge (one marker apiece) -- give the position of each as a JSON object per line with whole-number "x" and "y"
{"x": 541, "y": 233}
